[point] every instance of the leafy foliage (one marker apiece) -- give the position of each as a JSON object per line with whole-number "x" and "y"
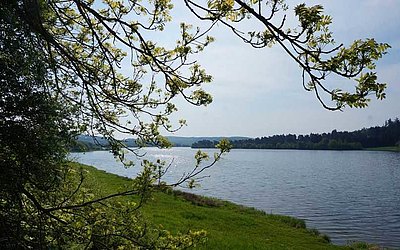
{"x": 87, "y": 44}
{"x": 34, "y": 131}
{"x": 311, "y": 45}
{"x": 44, "y": 202}
{"x": 62, "y": 75}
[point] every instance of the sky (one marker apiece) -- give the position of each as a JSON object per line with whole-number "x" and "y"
{"x": 259, "y": 92}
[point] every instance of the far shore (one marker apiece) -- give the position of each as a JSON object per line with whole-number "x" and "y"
{"x": 386, "y": 149}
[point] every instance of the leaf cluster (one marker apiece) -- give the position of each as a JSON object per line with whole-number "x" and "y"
{"x": 311, "y": 45}
{"x": 44, "y": 202}
{"x": 87, "y": 43}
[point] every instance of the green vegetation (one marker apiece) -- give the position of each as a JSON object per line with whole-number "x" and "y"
{"x": 63, "y": 74}
{"x": 228, "y": 226}
{"x": 384, "y": 138}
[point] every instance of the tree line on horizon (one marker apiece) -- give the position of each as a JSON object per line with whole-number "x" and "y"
{"x": 379, "y": 136}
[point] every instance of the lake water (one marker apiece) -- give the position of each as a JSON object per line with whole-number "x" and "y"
{"x": 349, "y": 195}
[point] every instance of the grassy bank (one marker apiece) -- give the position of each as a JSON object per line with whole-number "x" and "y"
{"x": 228, "y": 226}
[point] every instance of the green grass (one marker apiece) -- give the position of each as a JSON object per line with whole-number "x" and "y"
{"x": 391, "y": 149}
{"x": 228, "y": 226}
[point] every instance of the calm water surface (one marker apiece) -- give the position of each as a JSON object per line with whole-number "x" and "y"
{"x": 349, "y": 195}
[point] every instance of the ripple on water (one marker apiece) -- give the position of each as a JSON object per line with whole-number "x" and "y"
{"x": 349, "y": 195}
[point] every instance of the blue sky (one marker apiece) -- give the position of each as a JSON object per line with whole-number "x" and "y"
{"x": 259, "y": 92}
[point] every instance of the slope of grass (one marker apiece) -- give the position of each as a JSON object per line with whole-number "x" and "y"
{"x": 228, "y": 226}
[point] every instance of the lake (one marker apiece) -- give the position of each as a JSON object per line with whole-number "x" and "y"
{"x": 348, "y": 195}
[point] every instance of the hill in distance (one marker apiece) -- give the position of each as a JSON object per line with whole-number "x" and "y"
{"x": 180, "y": 141}
{"x": 90, "y": 143}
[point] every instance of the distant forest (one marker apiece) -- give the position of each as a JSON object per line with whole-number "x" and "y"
{"x": 387, "y": 135}
{"x": 85, "y": 143}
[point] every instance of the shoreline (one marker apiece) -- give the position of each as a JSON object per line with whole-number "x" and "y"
{"x": 177, "y": 210}
{"x": 382, "y": 149}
